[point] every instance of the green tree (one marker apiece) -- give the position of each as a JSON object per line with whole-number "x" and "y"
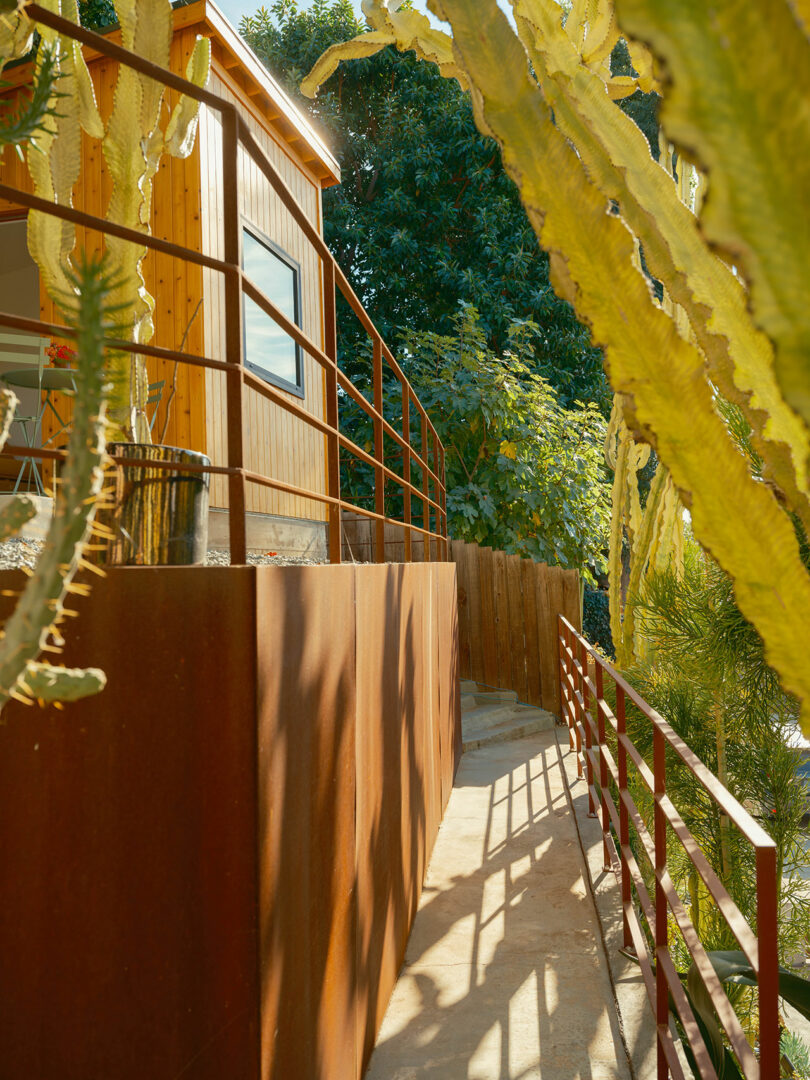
{"x": 425, "y": 215}
{"x": 524, "y": 474}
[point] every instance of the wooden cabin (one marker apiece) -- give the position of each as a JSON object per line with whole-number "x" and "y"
{"x": 189, "y": 405}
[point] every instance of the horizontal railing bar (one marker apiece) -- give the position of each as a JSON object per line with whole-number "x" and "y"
{"x": 688, "y": 1021}
{"x": 641, "y": 887}
{"x": 731, "y": 913}
{"x": 367, "y": 407}
{"x": 751, "y": 829}
{"x": 714, "y": 988}
{"x": 103, "y": 45}
{"x": 305, "y": 493}
{"x": 109, "y": 228}
{"x": 37, "y": 326}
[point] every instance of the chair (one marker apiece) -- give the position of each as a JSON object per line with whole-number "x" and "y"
{"x": 155, "y": 394}
{"x": 26, "y": 351}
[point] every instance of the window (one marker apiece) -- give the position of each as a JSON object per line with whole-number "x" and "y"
{"x": 268, "y": 349}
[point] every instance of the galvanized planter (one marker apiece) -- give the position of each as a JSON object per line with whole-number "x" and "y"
{"x": 159, "y": 517}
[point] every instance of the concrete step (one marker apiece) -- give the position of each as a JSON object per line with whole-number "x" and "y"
{"x": 468, "y": 686}
{"x": 502, "y": 722}
{"x": 487, "y": 697}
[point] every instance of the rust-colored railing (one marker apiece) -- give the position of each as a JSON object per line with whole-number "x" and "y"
{"x": 595, "y": 732}
{"x": 429, "y": 457}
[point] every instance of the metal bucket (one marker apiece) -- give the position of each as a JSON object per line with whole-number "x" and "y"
{"x": 158, "y": 517}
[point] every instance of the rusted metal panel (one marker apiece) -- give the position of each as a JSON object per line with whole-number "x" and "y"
{"x": 128, "y": 921}
{"x": 211, "y": 869}
{"x": 306, "y": 725}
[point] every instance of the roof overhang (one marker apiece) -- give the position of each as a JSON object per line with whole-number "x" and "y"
{"x": 269, "y": 102}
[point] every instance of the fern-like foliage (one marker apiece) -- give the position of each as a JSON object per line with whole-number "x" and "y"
{"x": 19, "y": 125}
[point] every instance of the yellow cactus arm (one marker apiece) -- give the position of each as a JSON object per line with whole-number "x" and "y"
{"x": 733, "y": 516}
{"x": 405, "y": 29}
{"x": 740, "y": 128}
{"x": 617, "y": 157}
{"x": 182, "y": 127}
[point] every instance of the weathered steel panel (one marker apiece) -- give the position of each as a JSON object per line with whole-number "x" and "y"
{"x": 237, "y": 828}
{"x": 306, "y": 726}
{"x": 128, "y": 930}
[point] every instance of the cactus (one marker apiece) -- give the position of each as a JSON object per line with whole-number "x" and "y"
{"x": 735, "y": 273}
{"x": 133, "y": 143}
{"x": 33, "y": 626}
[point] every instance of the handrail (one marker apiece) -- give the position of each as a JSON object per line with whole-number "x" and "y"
{"x": 237, "y": 137}
{"x": 589, "y": 716}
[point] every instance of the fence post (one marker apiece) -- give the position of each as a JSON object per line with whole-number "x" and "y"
{"x": 586, "y": 724}
{"x": 443, "y": 501}
{"x": 425, "y": 485}
{"x": 661, "y": 927}
{"x": 603, "y": 769}
{"x": 768, "y": 974}
{"x": 624, "y": 820}
{"x": 332, "y": 414}
{"x": 234, "y": 382}
{"x": 406, "y": 468}
{"x": 379, "y": 475}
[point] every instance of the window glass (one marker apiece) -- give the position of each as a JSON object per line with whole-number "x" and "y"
{"x": 267, "y": 347}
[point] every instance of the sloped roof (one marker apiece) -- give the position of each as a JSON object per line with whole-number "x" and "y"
{"x": 242, "y": 69}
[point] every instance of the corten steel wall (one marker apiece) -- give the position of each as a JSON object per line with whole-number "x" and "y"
{"x": 210, "y": 870}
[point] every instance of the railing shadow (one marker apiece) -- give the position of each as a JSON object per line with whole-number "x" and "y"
{"x": 504, "y": 974}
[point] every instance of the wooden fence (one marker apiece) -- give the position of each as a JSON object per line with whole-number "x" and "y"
{"x": 507, "y": 618}
{"x": 360, "y": 542}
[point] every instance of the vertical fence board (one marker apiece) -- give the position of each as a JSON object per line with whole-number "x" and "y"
{"x": 529, "y": 571}
{"x": 571, "y": 608}
{"x": 517, "y": 645}
{"x": 501, "y": 598}
{"x": 510, "y": 606}
{"x": 472, "y": 569}
{"x": 486, "y": 624}
{"x": 459, "y": 555}
{"x": 555, "y": 603}
{"x": 547, "y": 636}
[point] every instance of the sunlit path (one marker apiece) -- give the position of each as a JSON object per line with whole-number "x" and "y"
{"x": 505, "y": 974}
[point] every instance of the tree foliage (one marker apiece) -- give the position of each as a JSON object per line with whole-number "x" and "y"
{"x": 425, "y": 215}
{"x": 524, "y": 473}
{"x": 735, "y": 273}
{"x": 706, "y": 672}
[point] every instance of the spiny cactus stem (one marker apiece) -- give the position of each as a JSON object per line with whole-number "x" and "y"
{"x": 31, "y": 624}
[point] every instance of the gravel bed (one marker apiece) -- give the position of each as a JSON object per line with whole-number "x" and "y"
{"x": 18, "y": 552}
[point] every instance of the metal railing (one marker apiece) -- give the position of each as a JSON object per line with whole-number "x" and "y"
{"x": 596, "y": 730}
{"x": 430, "y": 456}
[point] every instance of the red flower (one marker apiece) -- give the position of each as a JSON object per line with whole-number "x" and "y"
{"x": 60, "y": 355}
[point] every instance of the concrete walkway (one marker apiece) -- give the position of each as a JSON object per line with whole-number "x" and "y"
{"x": 505, "y": 975}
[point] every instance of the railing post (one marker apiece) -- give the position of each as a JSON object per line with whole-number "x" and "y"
{"x": 426, "y": 486}
{"x": 332, "y": 414}
{"x": 443, "y": 501}
{"x": 406, "y": 469}
{"x": 234, "y": 382}
{"x": 572, "y": 701}
{"x": 603, "y": 769}
{"x": 661, "y": 927}
{"x": 379, "y": 475}
{"x": 768, "y": 974}
{"x": 586, "y": 723}
{"x": 624, "y": 819}
{"x": 579, "y": 696}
